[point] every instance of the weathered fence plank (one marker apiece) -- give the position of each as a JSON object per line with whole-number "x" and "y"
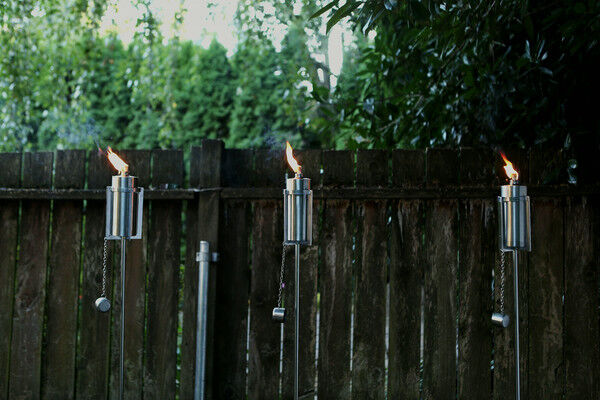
{"x": 546, "y": 368}
{"x": 335, "y": 281}
{"x": 30, "y": 282}
{"x": 135, "y": 292}
{"x": 10, "y": 176}
{"x": 475, "y": 300}
{"x": 310, "y": 160}
{"x": 267, "y": 233}
{"x": 370, "y": 276}
{"x": 63, "y": 283}
{"x": 93, "y": 350}
{"x": 440, "y": 277}
{"x": 582, "y": 336}
{"x": 231, "y": 305}
{"x": 160, "y": 362}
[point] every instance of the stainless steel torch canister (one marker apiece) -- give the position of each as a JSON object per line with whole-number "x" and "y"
{"x": 297, "y": 209}
{"x": 515, "y": 222}
{"x": 120, "y": 208}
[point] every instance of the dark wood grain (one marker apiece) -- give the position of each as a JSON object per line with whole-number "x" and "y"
{"x": 10, "y": 176}
{"x": 135, "y": 292}
{"x": 406, "y": 282}
{"x": 368, "y": 359}
{"x": 30, "y": 283}
{"x": 63, "y": 284}
{"x": 372, "y": 168}
{"x": 442, "y": 167}
{"x": 336, "y": 301}
{"x": 94, "y": 333}
{"x": 582, "y": 336}
{"x": 237, "y": 167}
{"x": 231, "y": 305}
{"x": 546, "y": 367}
{"x": 338, "y": 168}
{"x": 267, "y": 233}
{"x": 475, "y": 301}
{"x": 476, "y": 167}
{"x": 548, "y": 165}
{"x": 408, "y": 168}
{"x": 160, "y": 362}
{"x": 441, "y": 242}
{"x": 270, "y": 167}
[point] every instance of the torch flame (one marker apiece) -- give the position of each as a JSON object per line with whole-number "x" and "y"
{"x": 290, "y": 158}
{"x": 511, "y": 172}
{"x": 117, "y": 162}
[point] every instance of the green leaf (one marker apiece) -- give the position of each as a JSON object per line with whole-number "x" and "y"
{"x": 341, "y": 13}
{"x": 324, "y": 9}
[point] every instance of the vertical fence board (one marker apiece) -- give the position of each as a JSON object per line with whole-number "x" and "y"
{"x": 163, "y": 280}
{"x": 408, "y": 168}
{"x": 335, "y": 281}
{"x": 63, "y": 284}
{"x": 582, "y": 336}
{"x": 92, "y": 354}
{"x": 135, "y": 292}
{"x": 475, "y": 302}
{"x": 546, "y": 370}
{"x": 28, "y": 314}
{"x": 270, "y": 167}
{"x": 310, "y": 160}
{"x": 370, "y": 277}
{"x": 231, "y": 305}
{"x": 440, "y": 277}
{"x": 10, "y": 176}
{"x": 368, "y": 358}
{"x": 267, "y": 233}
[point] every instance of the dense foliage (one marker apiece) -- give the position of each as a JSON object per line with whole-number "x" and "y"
{"x": 416, "y": 74}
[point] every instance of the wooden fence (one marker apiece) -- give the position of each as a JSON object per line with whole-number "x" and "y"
{"x": 396, "y": 292}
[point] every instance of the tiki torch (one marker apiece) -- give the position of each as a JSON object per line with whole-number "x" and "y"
{"x": 297, "y": 231}
{"x": 123, "y": 200}
{"x": 515, "y": 234}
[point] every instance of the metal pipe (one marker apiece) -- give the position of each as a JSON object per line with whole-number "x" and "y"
{"x": 203, "y": 258}
{"x": 517, "y": 358}
{"x": 121, "y": 356}
{"x": 297, "y": 318}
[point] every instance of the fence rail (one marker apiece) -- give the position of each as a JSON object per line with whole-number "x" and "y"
{"x": 396, "y": 292}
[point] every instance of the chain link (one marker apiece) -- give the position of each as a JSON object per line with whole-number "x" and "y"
{"x": 104, "y": 268}
{"x": 281, "y": 283}
{"x": 502, "y": 282}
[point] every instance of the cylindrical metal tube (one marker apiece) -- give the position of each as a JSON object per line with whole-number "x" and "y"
{"x": 203, "y": 268}
{"x": 122, "y": 353}
{"x": 501, "y": 320}
{"x": 119, "y": 219}
{"x": 297, "y": 209}
{"x": 517, "y": 356}
{"x": 297, "y": 319}
{"x": 515, "y": 218}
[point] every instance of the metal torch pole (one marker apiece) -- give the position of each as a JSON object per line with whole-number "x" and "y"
{"x": 121, "y": 356}
{"x": 297, "y": 318}
{"x": 517, "y": 358}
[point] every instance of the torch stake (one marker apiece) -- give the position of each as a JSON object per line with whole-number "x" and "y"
{"x": 297, "y": 320}
{"x": 517, "y": 358}
{"x": 121, "y": 363}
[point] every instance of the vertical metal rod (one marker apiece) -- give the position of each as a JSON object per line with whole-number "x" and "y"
{"x": 297, "y": 319}
{"x": 203, "y": 270}
{"x": 517, "y": 358}
{"x": 121, "y": 355}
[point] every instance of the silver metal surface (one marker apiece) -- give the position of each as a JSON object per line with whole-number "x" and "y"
{"x": 297, "y": 214}
{"x": 514, "y": 218}
{"x": 278, "y": 314}
{"x": 102, "y": 304}
{"x": 121, "y": 355}
{"x": 501, "y": 320}
{"x": 297, "y": 319}
{"x": 517, "y": 357}
{"x": 203, "y": 258}
{"x": 120, "y": 207}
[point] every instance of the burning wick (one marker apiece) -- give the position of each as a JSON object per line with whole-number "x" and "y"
{"x": 291, "y": 160}
{"x": 511, "y": 172}
{"x": 117, "y": 162}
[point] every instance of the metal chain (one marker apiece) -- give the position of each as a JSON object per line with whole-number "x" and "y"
{"x": 104, "y": 268}
{"x": 502, "y": 282}
{"x": 281, "y": 283}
